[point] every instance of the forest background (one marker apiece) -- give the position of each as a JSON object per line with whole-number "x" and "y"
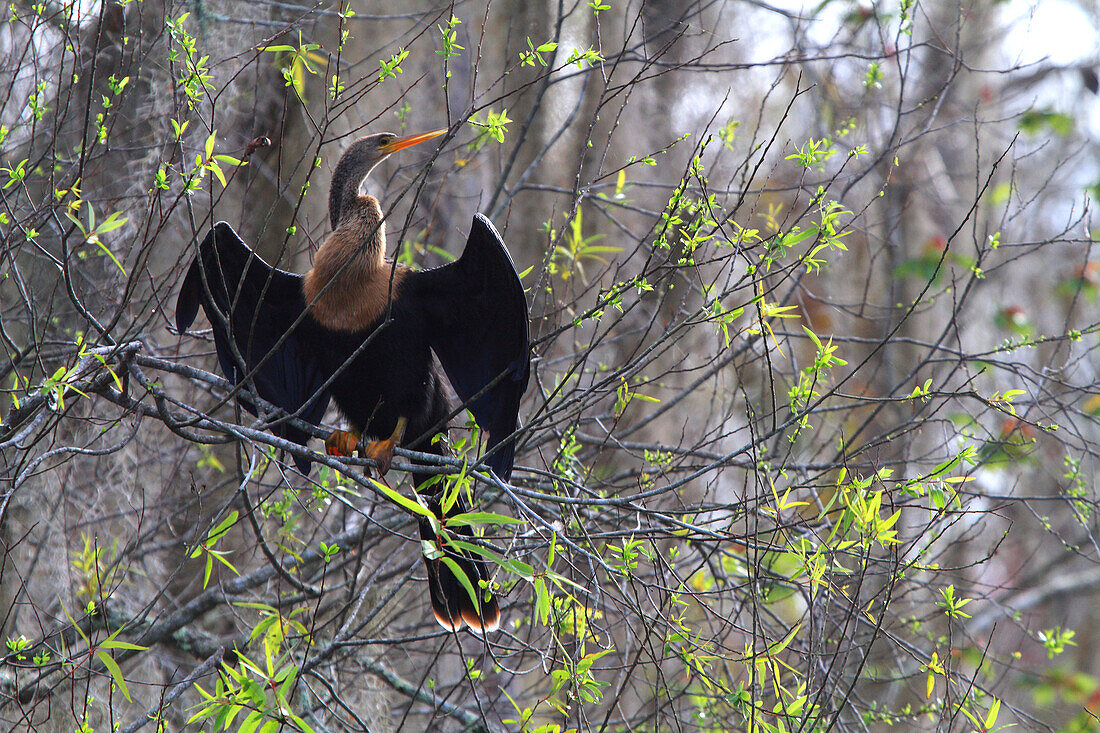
{"x": 812, "y": 432}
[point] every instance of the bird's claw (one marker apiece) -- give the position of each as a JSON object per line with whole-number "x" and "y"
{"x": 341, "y": 443}
{"x": 345, "y": 444}
{"x": 380, "y": 451}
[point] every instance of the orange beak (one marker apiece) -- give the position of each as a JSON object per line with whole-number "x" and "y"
{"x": 406, "y": 142}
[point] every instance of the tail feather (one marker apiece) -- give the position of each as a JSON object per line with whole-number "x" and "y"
{"x": 452, "y": 605}
{"x": 488, "y": 620}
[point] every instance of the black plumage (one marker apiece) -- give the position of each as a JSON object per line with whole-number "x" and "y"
{"x": 361, "y": 330}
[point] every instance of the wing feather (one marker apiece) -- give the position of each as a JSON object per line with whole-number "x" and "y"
{"x": 476, "y": 319}
{"x": 256, "y": 313}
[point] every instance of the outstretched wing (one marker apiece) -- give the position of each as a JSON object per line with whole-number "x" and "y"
{"x": 256, "y": 312}
{"x": 475, "y": 316}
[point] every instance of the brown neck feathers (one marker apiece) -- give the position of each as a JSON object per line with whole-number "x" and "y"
{"x": 349, "y": 286}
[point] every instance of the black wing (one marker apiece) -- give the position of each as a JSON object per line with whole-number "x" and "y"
{"x": 253, "y": 309}
{"x": 475, "y": 317}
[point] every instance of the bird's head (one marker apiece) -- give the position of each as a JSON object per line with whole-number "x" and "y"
{"x": 360, "y": 158}
{"x": 371, "y": 149}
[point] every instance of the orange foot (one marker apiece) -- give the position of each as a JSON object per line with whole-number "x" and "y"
{"x": 341, "y": 443}
{"x": 382, "y": 450}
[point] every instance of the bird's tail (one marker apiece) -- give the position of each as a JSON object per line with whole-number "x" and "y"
{"x": 452, "y": 603}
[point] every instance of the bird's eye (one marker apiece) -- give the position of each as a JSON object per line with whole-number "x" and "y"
{"x": 386, "y": 141}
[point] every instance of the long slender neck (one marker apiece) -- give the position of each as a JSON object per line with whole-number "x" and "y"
{"x": 357, "y": 247}
{"x": 349, "y": 286}
{"x": 351, "y": 169}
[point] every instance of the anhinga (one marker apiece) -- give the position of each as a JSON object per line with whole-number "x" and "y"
{"x": 361, "y": 329}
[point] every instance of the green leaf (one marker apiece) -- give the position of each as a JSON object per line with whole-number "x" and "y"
{"x": 112, "y": 644}
{"x": 991, "y": 717}
{"x": 116, "y": 673}
{"x": 204, "y": 713}
{"x": 450, "y": 496}
{"x": 249, "y": 725}
{"x": 231, "y": 714}
{"x": 218, "y": 532}
{"x": 785, "y": 642}
{"x": 474, "y": 518}
{"x": 112, "y": 222}
{"x": 302, "y": 725}
{"x": 471, "y": 548}
{"x": 462, "y": 578}
{"x": 219, "y": 556}
{"x": 76, "y": 626}
{"x": 288, "y": 684}
{"x": 542, "y": 601}
{"x": 1038, "y": 121}
{"x": 217, "y": 171}
{"x": 79, "y": 224}
{"x": 520, "y": 568}
{"x": 397, "y": 498}
{"x": 793, "y": 237}
{"x": 111, "y": 255}
{"x": 220, "y": 718}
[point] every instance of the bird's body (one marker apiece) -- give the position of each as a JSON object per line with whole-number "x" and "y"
{"x": 354, "y": 297}
{"x": 363, "y": 330}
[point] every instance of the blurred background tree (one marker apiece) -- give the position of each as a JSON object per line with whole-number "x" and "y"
{"x": 811, "y": 437}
